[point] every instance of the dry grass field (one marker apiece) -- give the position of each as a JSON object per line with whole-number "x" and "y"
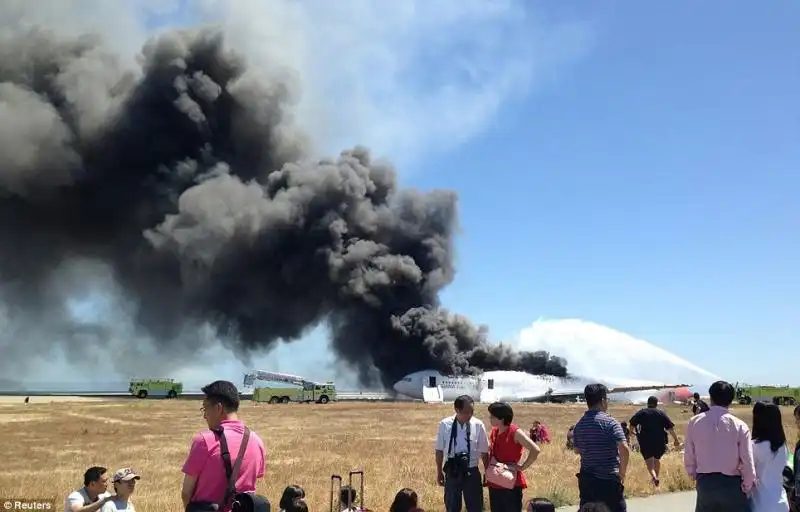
{"x": 47, "y": 445}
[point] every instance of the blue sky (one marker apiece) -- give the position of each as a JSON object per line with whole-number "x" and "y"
{"x": 652, "y": 188}
{"x": 649, "y": 184}
{"x": 626, "y": 163}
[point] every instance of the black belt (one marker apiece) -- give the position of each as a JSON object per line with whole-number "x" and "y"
{"x": 472, "y": 468}
{"x": 718, "y": 474}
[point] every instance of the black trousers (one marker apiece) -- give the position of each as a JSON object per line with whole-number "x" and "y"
{"x": 652, "y": 449}
{"x": 468, "y": 487}
{"x": 609, "y": 491}
{"x": 720, "y": 493}
{"x": 505, "y": 500}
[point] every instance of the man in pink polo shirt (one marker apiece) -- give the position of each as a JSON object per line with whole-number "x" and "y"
{"x": 204, "y": 472}
{"x": 718, "y": 454}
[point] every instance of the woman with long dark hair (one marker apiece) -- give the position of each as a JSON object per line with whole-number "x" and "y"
{"x": 769, "y": 455}
{"x": 404, "y": 501}
{"x": 291, "y": 493}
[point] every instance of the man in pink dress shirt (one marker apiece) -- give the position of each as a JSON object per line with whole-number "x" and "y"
{"x": 204, "y": 480}
{"x": 718, "y": 454}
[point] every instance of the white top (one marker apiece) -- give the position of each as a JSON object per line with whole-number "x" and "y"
{"x": 115, "y": 505}
{"x": 478, "y": 439}
{"x": 769, "y": 494}
{"x": 80, "y": 497}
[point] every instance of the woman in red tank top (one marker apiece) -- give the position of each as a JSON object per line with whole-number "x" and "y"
{"x": 506, "y": 443}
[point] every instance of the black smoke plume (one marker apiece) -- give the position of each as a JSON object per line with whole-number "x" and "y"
{"x": 190, "y": 183}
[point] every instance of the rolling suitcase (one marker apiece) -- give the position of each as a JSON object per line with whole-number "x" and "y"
{"x": 336, "y": 504}
{"x": 336, "y": 493}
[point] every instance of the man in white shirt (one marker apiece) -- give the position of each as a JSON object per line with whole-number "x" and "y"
{"x": 94, "y": 493}
{"x": 460, "y": 442}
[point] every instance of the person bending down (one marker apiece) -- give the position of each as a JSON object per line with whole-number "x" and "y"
{"x": 539, "y": 433}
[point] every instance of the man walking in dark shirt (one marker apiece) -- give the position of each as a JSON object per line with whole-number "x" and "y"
{"x": 604, "y": 451}
{"x": 651, "y": 425}
{"x": 699, "y": 405}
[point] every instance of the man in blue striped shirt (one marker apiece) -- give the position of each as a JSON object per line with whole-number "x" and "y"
{"x": 604, "y": 451}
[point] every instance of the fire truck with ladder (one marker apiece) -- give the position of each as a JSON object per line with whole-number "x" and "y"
{"x": 300, "y": 389}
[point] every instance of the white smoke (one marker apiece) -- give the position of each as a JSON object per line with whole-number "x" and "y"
{"x": 598, "y": 351}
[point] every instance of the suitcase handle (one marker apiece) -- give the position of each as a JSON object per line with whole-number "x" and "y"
{"x": 360, "y": 473}
{"x": 334, "y": 478}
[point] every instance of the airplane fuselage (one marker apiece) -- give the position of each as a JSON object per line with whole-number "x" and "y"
{"x": 509, "y": 386}
{"x": 504, "y": 385}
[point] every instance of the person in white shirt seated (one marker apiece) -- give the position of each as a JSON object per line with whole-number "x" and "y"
{"x": 124, "y": 484}
{"x": 94, "y": 493}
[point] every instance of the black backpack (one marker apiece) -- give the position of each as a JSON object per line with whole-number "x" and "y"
{"x": 239, "y": 501}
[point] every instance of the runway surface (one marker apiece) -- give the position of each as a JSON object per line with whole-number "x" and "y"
{"x": 189, "y": 395}
{"x": 673, "y": 502}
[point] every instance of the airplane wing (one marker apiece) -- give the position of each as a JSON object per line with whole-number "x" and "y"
{"x": 626, "y": 389}
{"x": 552, "y": 395}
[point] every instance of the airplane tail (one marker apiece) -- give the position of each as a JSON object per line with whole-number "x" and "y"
{"x": 432, "y": 394}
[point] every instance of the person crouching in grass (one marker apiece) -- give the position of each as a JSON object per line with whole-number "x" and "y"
{"x": 124, "y": 482}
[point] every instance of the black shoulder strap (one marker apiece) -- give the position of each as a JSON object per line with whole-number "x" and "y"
{"x": 231, "y": 473}
{"x": 796, "y": 462}
{"x": 469, "y": 444}
{"x": 453, "y": 433}
{"x": 450, "y": 446}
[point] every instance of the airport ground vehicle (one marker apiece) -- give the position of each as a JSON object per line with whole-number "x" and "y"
{"x": 747, "y": 394}
{"x": 301, "y": 390}
{"x": 143, "y": 388}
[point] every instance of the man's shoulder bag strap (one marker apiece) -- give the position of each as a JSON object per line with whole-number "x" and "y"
{"x": 451, "y": 445}
{"x": 231, "y": 472}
